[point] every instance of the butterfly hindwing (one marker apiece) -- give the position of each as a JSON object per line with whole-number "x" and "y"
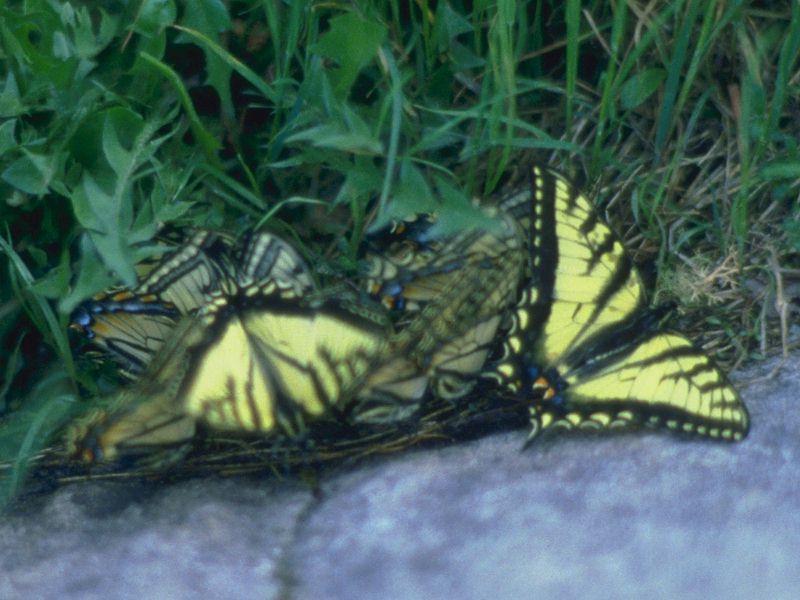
{"x": 661, "y": 381}
{"x": 129, "y": 327}
{"x": 146, "y": 414}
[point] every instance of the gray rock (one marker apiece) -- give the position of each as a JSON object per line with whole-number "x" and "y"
{"x": 626, "y": 515}
{"x": 203, "y": 538}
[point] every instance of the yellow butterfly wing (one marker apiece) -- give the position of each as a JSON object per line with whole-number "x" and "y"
{"x": 418, "y": 266}
{"x": 185, "y": 277}
{"x": 582, "y": 346}
{"x": 273, "y": 367}
{"x": 266, "y": 256}
{"x": 450, "y": 293}
{"x": 584, "y": 281}
{"x": 132, "y": 325}
{"x": 146, "y": 414}
{"x": 211, "y": 363}
{"x": 248, "y": 363}
{"x": 662, "y": 381}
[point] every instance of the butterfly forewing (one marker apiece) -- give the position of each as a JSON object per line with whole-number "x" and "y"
{"x": 270, "y": 362}
{"x": 186, "y": 277}
{"x": 133, "y": 325}
{"x": 586, "y": 282}
{"x": 265, "y": 256}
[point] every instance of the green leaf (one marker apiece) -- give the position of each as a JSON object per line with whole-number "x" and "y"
{"x": 86, "y": 42}
{"x": 104, "y": 201}
{"x": 30, "y": 37}
{"x": 10, "y": 103}
{"x": 464, "y": 58}
{"x": 411, "y": 195}
{"x": 334, "y": 137}
{"x": 640, "y": 87}
{"x": 251, "y": 76}
{"x": 210, "y": 17}
{"x": 792, "y": 229}
{"x": 781, "y": 170}
{"x": 352, "y": 42}
{"x": 675, "y": 73}
{"x": 206, "y": 16}
{"x": 349, "y": 133}
{"x": 55, "y": 282}
{"x": 86, "y": 144}
{"x": 12, "y": 367}
{"x": 93, "y": 276}
{"x": 163, "y": 205}
{"x": 572, "y": 16}
{"x": 31, "y": 173}
{"x": 219, "y": 77}
{"x": 154, "y": 16}
{"x": 363, "y": 180}
{"x": 22, "y": 435}
{"x": 456, "y": 211}
{"x": 38, "y": 308}
{"x": 447, "y": 25}
{"x": 207, "y": 141}
{"x": 119, "y": 159}
{"x": 100, "y": 214}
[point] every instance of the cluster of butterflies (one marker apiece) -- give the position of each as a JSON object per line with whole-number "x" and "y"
{"x": 539, "y": 305}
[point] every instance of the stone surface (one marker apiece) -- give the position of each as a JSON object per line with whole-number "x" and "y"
{"x": 573, "y": 516}
{"x": 203, "y": 538}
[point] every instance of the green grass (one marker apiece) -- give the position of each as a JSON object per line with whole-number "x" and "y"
{"x": 679, "y": 118}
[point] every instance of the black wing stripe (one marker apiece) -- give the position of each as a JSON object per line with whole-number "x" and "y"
{"x": 249, "y": 393}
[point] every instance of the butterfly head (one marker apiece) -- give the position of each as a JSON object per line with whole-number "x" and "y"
{"x": 82, "y": 320}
